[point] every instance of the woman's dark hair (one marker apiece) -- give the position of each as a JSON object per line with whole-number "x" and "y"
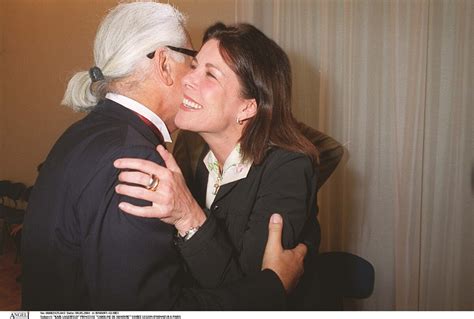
{"x": 264, "y": 73}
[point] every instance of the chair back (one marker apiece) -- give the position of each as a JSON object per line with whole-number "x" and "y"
{"x": 15, "y": 192}
{"x": 346, "y": 275}
{"x": 10, "y": 213}
{"x": 4, "y": 186}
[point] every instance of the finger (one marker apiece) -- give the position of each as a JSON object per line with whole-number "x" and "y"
{"x": 142, "y": 165}
{"x": 275, "y": 227}
{"x": 168, "y": 158}
{"x": 137, "y": 192}
{"x": 135, "y": 177}
{"x": 300, "y": 250}
{"x": 161, "y": 196}
{"x": 146, "y": 211}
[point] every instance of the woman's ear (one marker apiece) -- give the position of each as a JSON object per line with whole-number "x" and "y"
{"x": 163, "y": 67}
{"x": 248, "y": 110}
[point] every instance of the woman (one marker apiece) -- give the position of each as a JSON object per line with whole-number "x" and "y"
{"x": 237, "y": 97}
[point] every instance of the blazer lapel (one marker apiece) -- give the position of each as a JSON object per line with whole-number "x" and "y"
{"x": 225, "y": 189}
{"x": 202, "y": 177}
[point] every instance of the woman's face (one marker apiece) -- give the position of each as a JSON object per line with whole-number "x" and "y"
{"x": 212, "y": 95}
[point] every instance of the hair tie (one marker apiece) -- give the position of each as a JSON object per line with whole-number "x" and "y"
{"x": 96, "y": 74}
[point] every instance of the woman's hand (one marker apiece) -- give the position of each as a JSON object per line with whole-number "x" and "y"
{"x": 172, "y": 200}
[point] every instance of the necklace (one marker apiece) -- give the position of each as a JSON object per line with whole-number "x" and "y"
{"x": 219, "y": 178}
{"x": 217, "y": 184}
{"x": 213, "y": 166}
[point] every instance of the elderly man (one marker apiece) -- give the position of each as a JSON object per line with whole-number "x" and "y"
{"x": 79, "y": 250}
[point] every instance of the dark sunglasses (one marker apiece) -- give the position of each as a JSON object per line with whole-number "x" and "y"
{"x": 189, "y": 52}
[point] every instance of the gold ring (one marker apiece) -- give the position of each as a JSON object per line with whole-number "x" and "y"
{"x": 153, "y": 183}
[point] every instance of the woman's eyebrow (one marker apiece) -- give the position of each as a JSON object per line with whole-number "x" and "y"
{"x": 210, "y": 65}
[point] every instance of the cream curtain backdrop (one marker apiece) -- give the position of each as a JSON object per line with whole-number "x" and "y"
{"x": 393, "y": 82}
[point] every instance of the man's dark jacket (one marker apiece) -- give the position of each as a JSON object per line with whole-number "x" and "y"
{"x": 81, "y": 252}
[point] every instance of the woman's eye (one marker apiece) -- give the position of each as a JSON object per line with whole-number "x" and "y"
{"x": 193, "y": 66}
{"x": 210, "y": 74}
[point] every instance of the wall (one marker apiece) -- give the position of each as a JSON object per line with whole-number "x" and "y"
{"x": 44, "y": 43}
{"x": 2, "y": 112}
{"x": 202, "y": 13}
{"x": 447, "y": 201}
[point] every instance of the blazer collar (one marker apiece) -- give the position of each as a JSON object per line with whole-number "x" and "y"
{"x": 144, "y": 112}
{"x": 114, "y": 110}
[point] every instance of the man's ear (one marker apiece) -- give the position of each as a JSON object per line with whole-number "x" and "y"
{"x": 163, "y": 67}
{"x": 248, "y": 110}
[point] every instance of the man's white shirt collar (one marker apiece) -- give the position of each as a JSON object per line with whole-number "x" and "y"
{"x": 143, "y": 111}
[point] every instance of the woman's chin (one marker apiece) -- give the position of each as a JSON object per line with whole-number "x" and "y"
{"x": 182, "y": 123}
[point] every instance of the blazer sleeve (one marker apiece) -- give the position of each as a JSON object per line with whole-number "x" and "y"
{"x": 288, "y": 187}
{"x": 128, "y": 261}
{"x": 330, "y": 151}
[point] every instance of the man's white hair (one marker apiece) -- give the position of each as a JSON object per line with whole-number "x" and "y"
{"x": 126, "y": 35}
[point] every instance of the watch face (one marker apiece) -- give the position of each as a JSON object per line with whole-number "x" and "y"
{"x": 190, "y": 233}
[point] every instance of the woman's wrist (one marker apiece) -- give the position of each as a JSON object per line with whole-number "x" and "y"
{"x": 191, "y": 222}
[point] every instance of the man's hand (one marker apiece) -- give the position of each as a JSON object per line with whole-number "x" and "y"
{"x": 287, "y": 264}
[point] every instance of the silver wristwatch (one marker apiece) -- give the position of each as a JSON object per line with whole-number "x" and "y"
{"x": 190, "y": 233}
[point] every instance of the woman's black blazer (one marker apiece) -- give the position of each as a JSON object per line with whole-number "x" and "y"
{"x": 230, "y": 244}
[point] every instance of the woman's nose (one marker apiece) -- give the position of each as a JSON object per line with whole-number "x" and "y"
{"x": 188, "y": 81}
